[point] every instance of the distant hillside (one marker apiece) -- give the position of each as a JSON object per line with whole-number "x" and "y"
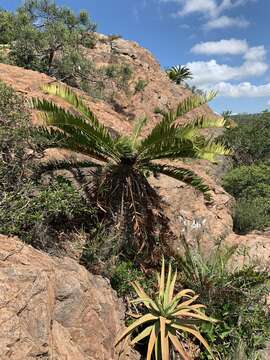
{"x": 243, "y": 119}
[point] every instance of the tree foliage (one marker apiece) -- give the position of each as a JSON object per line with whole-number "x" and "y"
{"x": 250, "y": 138}
{"x": 179, "y": 73}
{"x": 250, "y": 185}
{"x": 45, "y": 37}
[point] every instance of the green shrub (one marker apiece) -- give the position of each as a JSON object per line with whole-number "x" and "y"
{"x": 140, "y": 86}
{"x": 126, "y": 272}
{"x": 15, "y": 144}
{"x": 252, "y": 214}
{"x": 242, "y": 180}
{"x": 233, "y": 296}
{"x": 120, "y": 74}
{"x": 250, "y": 185}
{"x": 38, "y": 214}
{"x": 250, "y": 140}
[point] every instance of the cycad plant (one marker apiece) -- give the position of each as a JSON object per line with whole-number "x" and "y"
{"x": 179, "y": 73}
{"x": 167, "y": 318}
{"x": 121, "y": 163}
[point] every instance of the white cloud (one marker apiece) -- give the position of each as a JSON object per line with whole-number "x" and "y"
{"x": 244, "y": 89}
{"x": 254, "y": 54}
{"x": 191, "y": 6}
{"x": 230, "y": 47}
{"x": 213, "y": 10}
{"x": 223, "y": 22}
{"x": 207, "y": 74}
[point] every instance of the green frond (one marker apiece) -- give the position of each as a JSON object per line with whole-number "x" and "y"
{"x": 165, "y": 127}
{"x": 65, "y": 93}
{"x": 181, "y": 174}
{"x": 78, "y": 128}
{"x": 124, "y": 146}
{"x": 193, "y": 102}
{"x": 67, "y": 164}
{"x": 59, "y": 139}
{"x": 202, "y": 122}
{"x": 169, "y": 148}
{"x": 137, "y": 129}
{"x": 212, "y": 149}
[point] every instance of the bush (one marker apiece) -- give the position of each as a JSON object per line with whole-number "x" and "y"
{"x": 15, "y": 144}
{"x": 243, "y": 180}
{"x": 234, "y": 297}
{"x": 252, "y": 214}
{"x": 126, "y": 272}
{"x": 250, "y": 185}
{"x": 250, "y": 140}
{"x": 140, "y": 86}
{"x": 38, "y": 214}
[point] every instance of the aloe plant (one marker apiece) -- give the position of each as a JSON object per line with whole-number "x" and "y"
{"x": 167, "y": 317}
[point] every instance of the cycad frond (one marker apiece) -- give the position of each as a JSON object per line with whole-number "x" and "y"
{"x": 169, "y": 148}
{"x": 71, "y": 97}
{"x": 202, "y": 122}
{"x": 78, "y": 128}
{"x": 59, "y": 139}
{"x": 181, "y": 174}
{"x": 211, "y": 149}
{"x": 67, "y": 164}
{"x": 179, "y": 73}
{"x": 194, "y": 102}
{"x": 163, "y": 128}
{"x": 137, "y": 129}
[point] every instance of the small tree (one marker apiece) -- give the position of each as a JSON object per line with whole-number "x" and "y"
{"x": 44, "y": 33}
{"x": 123, "y": 163}
{"x": 179, "y": 73}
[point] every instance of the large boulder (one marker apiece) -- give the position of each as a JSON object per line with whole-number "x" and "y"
{"x": 52, "y": 308}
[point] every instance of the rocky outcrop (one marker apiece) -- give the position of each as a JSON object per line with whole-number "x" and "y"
{"x": 52, "y": 308}
{"x": 159, "y": 92}
{"x": 256, "y": 246}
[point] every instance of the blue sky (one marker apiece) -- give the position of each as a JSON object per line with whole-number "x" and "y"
{"x": 226, "y": 43}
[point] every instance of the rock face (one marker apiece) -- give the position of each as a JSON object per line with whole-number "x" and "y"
{"x": 159, "y": 91}
{"x": 257, "y": 245}
{"x": 53, "y": 308}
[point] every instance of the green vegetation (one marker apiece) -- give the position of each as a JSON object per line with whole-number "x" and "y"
{"x": 140, "y": 86}
{"x": 250, "y": 139}
{"x": 124, "y": 273}
{"x": 167, "y": 318}
{"x": 234, "y": 296}
{"x": 249, "y": 179}
{"x": 250, "y": 185}
{"x": 43, "y": 36}
{"x": 39, "y": 214}
{"x": 35, "y": 211}
{"x": 179, "y": 73}
{"x": 16, "y": 147}
{"x": 122, "y": 164}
